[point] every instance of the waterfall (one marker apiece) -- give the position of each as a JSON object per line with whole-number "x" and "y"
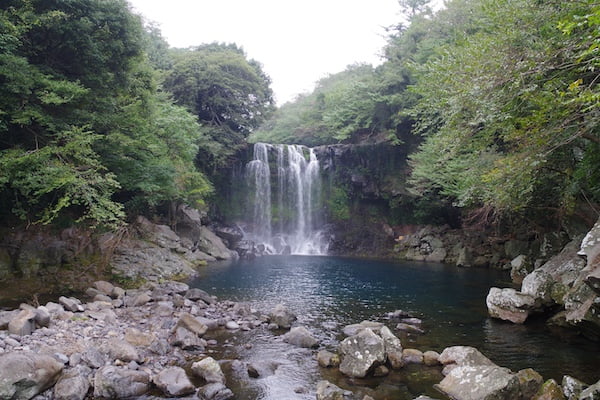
{"x": 285, "y": 215}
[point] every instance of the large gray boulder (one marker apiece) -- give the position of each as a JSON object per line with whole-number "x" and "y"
{"x": 562, "y": 269}
{"x": 301, "y": 337}
{"x": 591, "y": 393}
{"x": 23, "y": 324}
{"x": 211, "y": 244}
{"x": 282, "y": 316}
{"x": 209, "y": 370}
{"x": 24, "y": 374}
{"x": 73, "y": 384}
{"x": 393, "y": 348}
{"x": 509, "y": 305}
{"x": 457, "y": 356}
{"x": 117, "y": 383}
{"x": 480, "y": 382}
{"x": 174, "y": 382}
{"x": 361, "y": 353}
{"x": 122, "y": 350}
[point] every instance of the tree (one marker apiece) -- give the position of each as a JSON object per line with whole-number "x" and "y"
{"x": 229, "y": 94}
{"x": 502, "y": 110}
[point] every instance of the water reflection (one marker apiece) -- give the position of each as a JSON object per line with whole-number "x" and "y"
{"x": 329, "y": 292}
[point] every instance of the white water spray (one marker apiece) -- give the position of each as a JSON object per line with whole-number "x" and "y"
{"x": 293, "y": 225}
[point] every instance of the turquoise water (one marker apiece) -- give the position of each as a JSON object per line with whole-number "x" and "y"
{"x": 329, "y": 292}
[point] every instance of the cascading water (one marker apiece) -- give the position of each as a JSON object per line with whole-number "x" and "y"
{"x": 285, "y": 216}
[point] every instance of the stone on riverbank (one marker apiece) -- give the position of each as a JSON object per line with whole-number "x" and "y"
{"x": 591, "y": 393}
{"x": 353, "y": 329}
{"x": 25, "y": 374}
{"x": 480, "y": 382}
{"x": 215, "y": 391}
{"x": 174, "y": 382}
{"x": 73, "y": 384}
{"x": 209, "y": 370}
{"x": 116, "y": 383}
{"x": 23, "y": 324}
{"x": 550, "y": 390}
{"x": 361, "y": 353}
{"x": 328, "y": 391}
{"x": 572, "y": 387}
{"x": 282, "y": 317}
{"x": 509, "y": 304}
{"x": 530, "y": 382}
{"x": 393, "y": 348}
{"x": 301, "y": 337}
{"x": 327, "y": 359}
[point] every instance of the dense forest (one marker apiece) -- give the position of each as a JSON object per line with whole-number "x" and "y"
{"x": 502, "y": 97}
{"x": 100, "y": 119}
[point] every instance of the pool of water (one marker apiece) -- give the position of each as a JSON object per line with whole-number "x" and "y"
{"x": 329, "y": 292}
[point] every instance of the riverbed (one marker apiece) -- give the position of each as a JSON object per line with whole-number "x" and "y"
{"x": 328, "y": 293}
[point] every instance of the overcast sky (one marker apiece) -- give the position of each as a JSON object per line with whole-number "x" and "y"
{"x": 297, "y": 42}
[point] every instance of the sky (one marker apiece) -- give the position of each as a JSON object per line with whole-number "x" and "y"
{"x": 297, "y": 42}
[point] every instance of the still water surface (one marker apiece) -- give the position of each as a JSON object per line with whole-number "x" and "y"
{"x": 328, "y": 293}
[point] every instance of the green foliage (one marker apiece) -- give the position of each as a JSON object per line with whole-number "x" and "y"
{"x": 344, "y": 107}
{"x": 83, "y": 130}
{"x": 505, "y": 103}
{"x": 229, "y": 94}
{"x": 338, "y": 204}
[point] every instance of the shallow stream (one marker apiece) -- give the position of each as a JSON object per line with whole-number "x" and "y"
{"x": 328, "y": 293}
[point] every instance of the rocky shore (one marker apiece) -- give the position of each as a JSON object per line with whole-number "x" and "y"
{"x": 157, "y": 342}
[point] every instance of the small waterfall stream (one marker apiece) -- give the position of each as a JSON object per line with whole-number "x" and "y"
{"x": 285, "y": 190}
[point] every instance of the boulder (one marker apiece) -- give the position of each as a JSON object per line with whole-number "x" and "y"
{"x": 431, "y": 358}
{"x": 509, "y": 305}
{"x": 174, "y": 382}
{"x": 463, "y": 356}
{"x": 212, "y": 245}
{"x": 119, "y": 349}
{"x": 196, "y": 294}
{"x": 262, "y": 368}
{"x": 591, "y": 393}
{"x": 209, "y": 370}
{"x": 328, "y": 359}
{"x": 71, "y": 304}
{"x": 520, "y": 267}
{"x": 550, "y": 390}
{"x": 24, "y": 374}
{"x": 187, "y": 340}
{"x": 361, "y": 353}
{"x": 572, "y": 387}
{"x": 412, "y": 356}
{"x": 93, "y": 357}
{"x": 480, "y": 382}
{"x": 328, "y": 391}
{"x": 116, "y": 383}
{"x": 563, "y": 268}
{"x": 530, "y": 382}
{"x": 73, "y": 384}
{"x": 282, "y": 317}
{"x": 351, "y": 330}
{"x": 215, "y": 391}
{"x": 104, "y": 287}
{"x": 392, "y": 348}
{"x": 191, "y": 324}
{"x": 23, "y": 324}
{"x": 301, "y": 337}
